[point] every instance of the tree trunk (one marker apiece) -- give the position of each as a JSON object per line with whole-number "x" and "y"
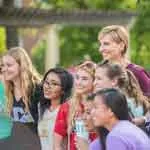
{"x": 11, "y": 37}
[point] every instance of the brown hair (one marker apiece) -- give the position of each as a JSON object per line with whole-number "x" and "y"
{"x": 126, "y": 81}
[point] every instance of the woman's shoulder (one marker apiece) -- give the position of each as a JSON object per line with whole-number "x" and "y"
{"x": 142, "y": 76}
{"x": 125, "y": 128}
{"x": 36, "y": 92}
{"x": 135, "y": 67}
{"x": 65, "y": 106}
{"x": 95, "y": 145}
{"x": 127, "y": 133}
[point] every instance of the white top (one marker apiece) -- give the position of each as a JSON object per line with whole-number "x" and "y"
{"x": 45, "y": 129}
{"x": 137, "y": 110}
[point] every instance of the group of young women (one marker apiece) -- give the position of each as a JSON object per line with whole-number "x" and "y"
{"x": 54, "y": 113}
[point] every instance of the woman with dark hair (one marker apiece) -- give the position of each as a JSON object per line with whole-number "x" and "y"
{"x": 57, "y": 85}
{"x": 110, "y": 114}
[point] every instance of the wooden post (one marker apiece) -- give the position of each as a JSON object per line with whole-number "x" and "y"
{"x": 11, "y": 31}
{"x": 129, "y": 27}
{"x": 52, "y": 51}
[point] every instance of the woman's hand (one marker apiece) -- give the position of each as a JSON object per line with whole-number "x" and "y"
{"x": 138, "y": 121}
{"x": 81, "y": 143}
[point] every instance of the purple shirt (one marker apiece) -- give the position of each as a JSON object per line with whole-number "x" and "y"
{"x": 142, "y": 76}
{"x": 124, "y": 136}
{"x": 95, "y": 145}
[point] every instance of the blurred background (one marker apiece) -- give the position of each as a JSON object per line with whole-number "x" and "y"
{"x": 64, "y": 32}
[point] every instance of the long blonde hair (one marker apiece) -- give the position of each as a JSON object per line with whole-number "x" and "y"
{"x": 118, "y": 34}
{"x": 133, "y": 89}
{"x": 29, "y": 77}
{"x": 89, "y": 67}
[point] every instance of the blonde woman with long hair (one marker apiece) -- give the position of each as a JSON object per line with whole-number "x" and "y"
{"x": 21, "y": 84}
{"x": 69, "y": 119}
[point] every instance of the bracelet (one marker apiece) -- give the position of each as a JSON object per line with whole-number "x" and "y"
{"x": 145, "y": 119}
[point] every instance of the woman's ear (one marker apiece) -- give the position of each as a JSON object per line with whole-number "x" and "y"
{"x": 122, "y": 47}
{"x": 62, "y": 92}
{"x": 110, "y": 112}
{"x": 114, "y": 83}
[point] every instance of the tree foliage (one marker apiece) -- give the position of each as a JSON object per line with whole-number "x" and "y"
{"x": 2, "y": 40}
{"x": 38, "y": 54}
{"x": 89, "y": 4}
{"x": 78, "y": 41}
{"x": 140, "y": 35}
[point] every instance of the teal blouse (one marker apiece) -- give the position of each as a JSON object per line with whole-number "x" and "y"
{"x": 5, "y": 120}
{"x": 137, "y": 110}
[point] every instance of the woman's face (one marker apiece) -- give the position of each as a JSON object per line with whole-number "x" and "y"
{"x": 87, "y": 117}
{"x": 10, "y": 69}
{"x": 102, "y": 80}
{"x": 52, "y": 87}
{"x": 109, "y": 49}
{"x": 101, "y": 114}
{"x": 83, "y": 82}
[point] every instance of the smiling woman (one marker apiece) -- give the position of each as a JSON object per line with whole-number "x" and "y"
{"x": 69, "y": 121}
{"x": 110, "y": 112}
{"x": 57, "y": 86}
{"x": 5, "y": 119}
{"x": 114, "y": 43}
{"x": 21, "y": 81}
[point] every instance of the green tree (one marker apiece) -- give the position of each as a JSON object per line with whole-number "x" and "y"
{"x": 140, "y": 35}
{"x": 38, "y": 54}
{"x": 2, "y": 40}
{"x": 78, "y": 41}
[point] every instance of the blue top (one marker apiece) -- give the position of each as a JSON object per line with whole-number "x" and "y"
{"x": 137, "y": 110}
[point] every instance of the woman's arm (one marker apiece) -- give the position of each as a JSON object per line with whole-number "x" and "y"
{"x": 60, "y": 129}
{"x": 82, "y": 143}
{"x": 58, "y": 142}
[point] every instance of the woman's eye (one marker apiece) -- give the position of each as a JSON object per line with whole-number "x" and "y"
{"x": 76, "y": 77}
{"x": 88, "y": 112}
{"x": 105, "y": 43}
{"x": 84, "y": 78}
{"x": 9, "y": 65}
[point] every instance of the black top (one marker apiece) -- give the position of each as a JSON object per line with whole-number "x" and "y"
{"x": 29, "y": 118}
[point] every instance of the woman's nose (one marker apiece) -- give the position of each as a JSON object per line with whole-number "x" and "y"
{"x": 94, "y": 83}
{"x": 101, "y": 49}
{"x": 84, "y": 116}
{"x": 92, "y": 112}
{"x": 4, "y": 68}
{"x": 78, "y": 82}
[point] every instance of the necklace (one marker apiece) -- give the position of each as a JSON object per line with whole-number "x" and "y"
{"x": 53, "y": 108}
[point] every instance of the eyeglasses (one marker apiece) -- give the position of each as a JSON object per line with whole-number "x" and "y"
{"x": 51, "y": 84}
